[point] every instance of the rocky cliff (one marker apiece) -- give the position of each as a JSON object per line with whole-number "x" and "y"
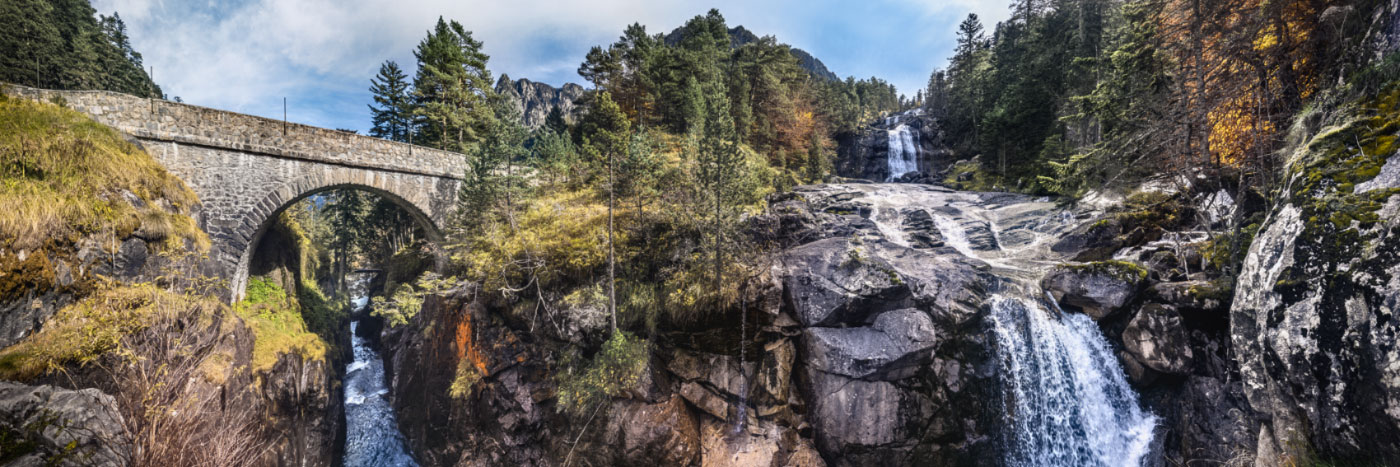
{"x": 536, "y": 100}
{"x": 866, "y": 342}
{"x": 1313, "y": 321}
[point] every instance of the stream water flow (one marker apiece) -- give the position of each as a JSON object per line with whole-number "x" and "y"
{"x": 372, "y": 436}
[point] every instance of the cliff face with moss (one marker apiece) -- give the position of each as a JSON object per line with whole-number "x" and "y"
{"x": 1313, "y": 319}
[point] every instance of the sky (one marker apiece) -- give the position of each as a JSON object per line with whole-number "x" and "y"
{"x": 247, "y": 55}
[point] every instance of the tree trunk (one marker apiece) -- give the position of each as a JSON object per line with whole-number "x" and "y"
{"x": 612, "y": 258}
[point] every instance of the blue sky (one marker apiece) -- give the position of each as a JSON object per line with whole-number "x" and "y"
{"x": 247, "y": 55}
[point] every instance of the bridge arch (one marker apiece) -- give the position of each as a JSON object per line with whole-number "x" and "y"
{"x": 247, "y": 169}
{"x": 423, "y": 203}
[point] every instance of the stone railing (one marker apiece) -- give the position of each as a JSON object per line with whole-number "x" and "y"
{"x": 161, "y": 120}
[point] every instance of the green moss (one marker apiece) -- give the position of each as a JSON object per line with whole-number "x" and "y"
{"x": 1219, "y": 290}
{"x": 278, "y": 325}
{"x": 1217, "y": 251}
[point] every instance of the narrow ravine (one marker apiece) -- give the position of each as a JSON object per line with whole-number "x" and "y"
{"x": 372, "y": 436}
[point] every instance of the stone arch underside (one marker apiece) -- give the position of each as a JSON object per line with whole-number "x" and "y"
{"x": 241, "y": 193}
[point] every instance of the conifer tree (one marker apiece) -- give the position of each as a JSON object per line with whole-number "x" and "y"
{"x": 392, "y": 111}
{"x": 605, "y": 139}
{"x": 452, "y": 89}
{"x": 720, "y": 165}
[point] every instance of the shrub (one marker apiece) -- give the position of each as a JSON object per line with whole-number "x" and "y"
{"x": 616, "y": 368}
{"x": 466, "y": 376}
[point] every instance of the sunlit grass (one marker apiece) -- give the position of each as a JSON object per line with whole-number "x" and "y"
{"x": 63, "y": 176}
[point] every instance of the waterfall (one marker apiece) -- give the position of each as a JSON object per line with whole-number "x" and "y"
{"x": 903, "y": 154}
{"x": 372, "y": 436}
{"x": 1068, "y": 402}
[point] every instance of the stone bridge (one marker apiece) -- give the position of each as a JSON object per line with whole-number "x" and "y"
{"x": 247, "y": 169}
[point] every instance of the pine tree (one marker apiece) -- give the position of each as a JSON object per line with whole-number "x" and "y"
{"x": 490, "y": 189}
{"x": 393, "y": 115}
{"x": 452, "y": 89}
{"x": 555, "y": 121}
{"x": 63, "y": 44}
{"x": 605, "y": 138}
{"x": 720, "y": 165}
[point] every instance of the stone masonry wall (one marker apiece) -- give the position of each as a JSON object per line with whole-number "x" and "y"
{"x": 246, "y": 170}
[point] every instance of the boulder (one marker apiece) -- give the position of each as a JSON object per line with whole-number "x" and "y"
{"x": 1157, "y": 339}
{"x": 893, "y": 348}
{"x": 1094, "y": 241}
{"x": 1099, "y": 289}
{"x": 835, "y": 281}
{"x": 47, "y": 425}
{"x": 1138, "y": 374}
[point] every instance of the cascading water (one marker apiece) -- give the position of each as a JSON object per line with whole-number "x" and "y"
{"x": 372, "y": 436}
{"x": 903, "y": 154}
{"x": 1069, "y": 404}
{"x": 1066, "y": 400}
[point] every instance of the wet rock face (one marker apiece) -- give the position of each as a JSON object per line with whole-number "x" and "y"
{"x": 1313, "y": 319}
{"x": 304, "y": 408}
{"x": 44, "y": 424}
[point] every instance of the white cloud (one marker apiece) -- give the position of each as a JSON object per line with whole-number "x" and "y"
{"x": 246, "y": 56}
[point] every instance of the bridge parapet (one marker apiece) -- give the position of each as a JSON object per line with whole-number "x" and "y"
{"x": 166, "y": 121}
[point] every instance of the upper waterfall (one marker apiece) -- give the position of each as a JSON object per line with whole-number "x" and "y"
{"x": 903, "y": 151}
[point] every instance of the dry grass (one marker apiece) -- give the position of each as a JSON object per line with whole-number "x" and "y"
{"x": 83, "y": 332}
{"x": 162, "y": 356}
{"x": 63, "y": 176}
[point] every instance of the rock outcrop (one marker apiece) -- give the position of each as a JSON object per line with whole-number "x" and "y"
{"x": 535, "y": 100}
{"x": 1156, "y": 337}
{"x": 1098, "y": 289}
{"x": 865, "y": 155}
{"x": 46, "y": 425}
